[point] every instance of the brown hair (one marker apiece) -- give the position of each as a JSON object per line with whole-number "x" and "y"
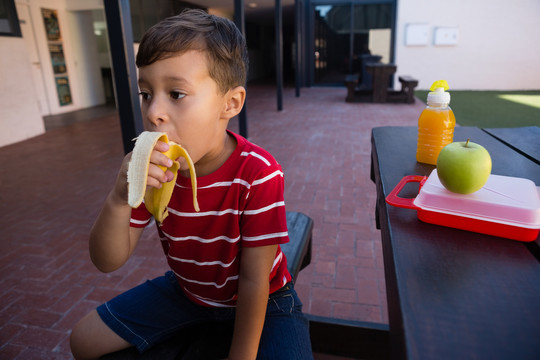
{"x": 219, "y": 38}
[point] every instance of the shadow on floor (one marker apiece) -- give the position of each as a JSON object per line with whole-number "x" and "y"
{"x": 95, "y": 112}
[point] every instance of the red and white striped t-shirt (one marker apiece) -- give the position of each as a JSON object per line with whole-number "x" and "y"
{"x": 241, "y": 205}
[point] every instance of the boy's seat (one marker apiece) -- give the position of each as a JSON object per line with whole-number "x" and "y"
{"x": 212, "y": 341}
{"x": 298, "y": 249}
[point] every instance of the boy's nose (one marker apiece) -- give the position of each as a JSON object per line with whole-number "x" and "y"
{"x": 156, "y": 113}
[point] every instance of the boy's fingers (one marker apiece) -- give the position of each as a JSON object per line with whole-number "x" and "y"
{"x": 156, "y": 176}
{"x": 169, "y": 174}
{"x": 152, "y": 182}
{"x": 183, "y": 163}
{"x": 159, "y": 158}
{"x": 161, "y": 146}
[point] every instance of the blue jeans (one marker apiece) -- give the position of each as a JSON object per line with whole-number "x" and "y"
{"x": 154, "y": 311}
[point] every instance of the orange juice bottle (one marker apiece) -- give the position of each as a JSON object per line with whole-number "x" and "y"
{"x": 435, "y": 125}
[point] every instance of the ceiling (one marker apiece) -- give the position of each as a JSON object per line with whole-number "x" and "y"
{"x": 250, "y": 5}
{"x": 261, "y": 9}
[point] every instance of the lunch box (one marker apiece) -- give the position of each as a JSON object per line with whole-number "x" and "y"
{"x": 506, "y": 206}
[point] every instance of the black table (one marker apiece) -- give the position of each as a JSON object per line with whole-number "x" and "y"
{"x": 525, "y": 140}
{"x": 454, "y": 294}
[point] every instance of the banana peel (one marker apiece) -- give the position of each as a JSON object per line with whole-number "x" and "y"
{"x": 156, "y": 200}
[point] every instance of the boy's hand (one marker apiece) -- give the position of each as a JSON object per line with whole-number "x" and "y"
{"x": 156, "y": 176}
{"x": 119, "y": 194}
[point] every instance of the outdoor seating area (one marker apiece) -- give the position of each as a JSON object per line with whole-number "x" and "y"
{"x": 48, "y": 281}
{"x": 371, "y": 251}
{"x": 370, "y": 275}
{"x": 372, "y": 83}
{"x": 453, "y": 291}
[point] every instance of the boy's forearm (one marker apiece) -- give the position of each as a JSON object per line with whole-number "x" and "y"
{"x": 250, "y": 315}
{"x": 110, "y": 244}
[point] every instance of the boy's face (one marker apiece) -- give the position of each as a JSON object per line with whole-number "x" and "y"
{"x": 179, "y": 97}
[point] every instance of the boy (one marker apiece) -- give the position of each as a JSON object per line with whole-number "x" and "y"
{"x": 226, "y": 261}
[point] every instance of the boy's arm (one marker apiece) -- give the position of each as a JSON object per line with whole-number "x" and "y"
{"x": 112, "y": 240}
{"x": 253, "y": 291}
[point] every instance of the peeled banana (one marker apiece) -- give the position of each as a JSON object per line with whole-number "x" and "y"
{"x": 155, "y": 200}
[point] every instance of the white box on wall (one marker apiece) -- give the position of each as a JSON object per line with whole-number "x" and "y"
{"x": 416, "y": 34}
{"x": 446, "y": 36}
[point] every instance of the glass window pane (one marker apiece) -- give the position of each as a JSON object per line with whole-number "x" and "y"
{"x": 332, "y": 43}
{"x": 9, "y": 24}
{"x": 372, "y": 36}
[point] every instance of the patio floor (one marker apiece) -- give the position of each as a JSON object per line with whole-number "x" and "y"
{"x": 53, "y": 186}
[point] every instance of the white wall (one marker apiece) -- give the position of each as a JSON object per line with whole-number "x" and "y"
{"x": 78, "y": 5}
{"x": 80, "y": 52}
{"x": 497, "y": 49}
{"x": 20, "y": 117}
{"x": 43, "y": 51}
{"x": 498, "y": 45}
{"x": 86, "y": 72}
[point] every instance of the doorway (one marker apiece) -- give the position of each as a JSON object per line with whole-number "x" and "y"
{"x": 28, "y": 33}
{"x": 347, "y": 35}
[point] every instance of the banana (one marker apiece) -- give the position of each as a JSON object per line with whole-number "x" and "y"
{"x": 155, "y": 200}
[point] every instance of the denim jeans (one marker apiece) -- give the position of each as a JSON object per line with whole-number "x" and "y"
{"x": 154, "y": 311}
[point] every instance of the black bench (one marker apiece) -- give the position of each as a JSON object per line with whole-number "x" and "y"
{"x": 379, "y": 92}
{"x": 408, "y": 83}
{"x": 298, "y": 249}
{"x": 381, "y": 74}
{"x": 211, "y": 341}
{"x": 353, "y": 91}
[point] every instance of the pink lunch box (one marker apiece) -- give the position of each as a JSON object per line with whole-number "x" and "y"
{"x": 506, "y": 206}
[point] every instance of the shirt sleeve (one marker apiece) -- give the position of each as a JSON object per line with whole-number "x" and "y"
{"x": 264, "y": 220}
{"x": 140, "y": 217}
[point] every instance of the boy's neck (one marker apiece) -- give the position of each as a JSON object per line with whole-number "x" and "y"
{"x": 208, "y": 167}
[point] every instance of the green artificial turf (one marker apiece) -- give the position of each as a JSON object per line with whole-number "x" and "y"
{"x": 494, "y": 109}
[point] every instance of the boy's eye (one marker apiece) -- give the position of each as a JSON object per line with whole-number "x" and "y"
{"x": 144, "y": 95}
{"x": 176, "y": 95}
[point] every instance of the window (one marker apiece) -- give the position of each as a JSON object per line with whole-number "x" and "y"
{"x": 9, "y": 23}
{"x": 348, "y": 34}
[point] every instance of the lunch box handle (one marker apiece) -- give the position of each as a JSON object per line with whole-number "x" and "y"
{"x": 393, "y": 198}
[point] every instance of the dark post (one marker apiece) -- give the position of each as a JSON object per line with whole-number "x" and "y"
{"x": 118, "y": 15}
{"x": 298, "y": 41}
{"x": 279, "y": 55}
{"x": 239, "y": 20}
{"x": 351, "y": 41}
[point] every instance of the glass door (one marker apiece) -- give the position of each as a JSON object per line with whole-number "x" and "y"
{"x": 332, "y": 33}
{"x": 347, "y": 36}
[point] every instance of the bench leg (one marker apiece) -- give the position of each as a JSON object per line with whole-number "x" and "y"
{"x": 381, "y": 76}
{"x": 409, "y": 91}
{"x": 351, "y": 81}
{"x": 407, "y": 88}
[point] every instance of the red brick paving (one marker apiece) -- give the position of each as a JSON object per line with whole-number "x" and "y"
{"x": 53, "y": 185}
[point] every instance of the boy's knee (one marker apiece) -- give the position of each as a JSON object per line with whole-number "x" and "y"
{"x": 91, "y": 338}
{"x": 76, "y": 342}
{"x": 79, "y": 340}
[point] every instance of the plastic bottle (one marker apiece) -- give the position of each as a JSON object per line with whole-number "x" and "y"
{"x": 435, "y": 125}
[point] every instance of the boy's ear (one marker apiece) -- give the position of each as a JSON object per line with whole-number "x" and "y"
{"x": 234, "y": 102}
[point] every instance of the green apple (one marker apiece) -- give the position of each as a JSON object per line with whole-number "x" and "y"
{"x": 463, "y": 167}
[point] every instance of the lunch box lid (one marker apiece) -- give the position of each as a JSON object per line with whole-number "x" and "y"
{"x": 503, "y": 199}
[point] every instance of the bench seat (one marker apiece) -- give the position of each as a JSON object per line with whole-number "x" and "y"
{"x": 380, "y": 93}
{"x": 211, "y": 341}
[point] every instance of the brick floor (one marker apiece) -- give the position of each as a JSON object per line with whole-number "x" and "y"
{"x": 52, "y": 187}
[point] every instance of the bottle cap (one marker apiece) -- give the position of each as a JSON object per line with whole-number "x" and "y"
{"x": 438, "y": 95}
